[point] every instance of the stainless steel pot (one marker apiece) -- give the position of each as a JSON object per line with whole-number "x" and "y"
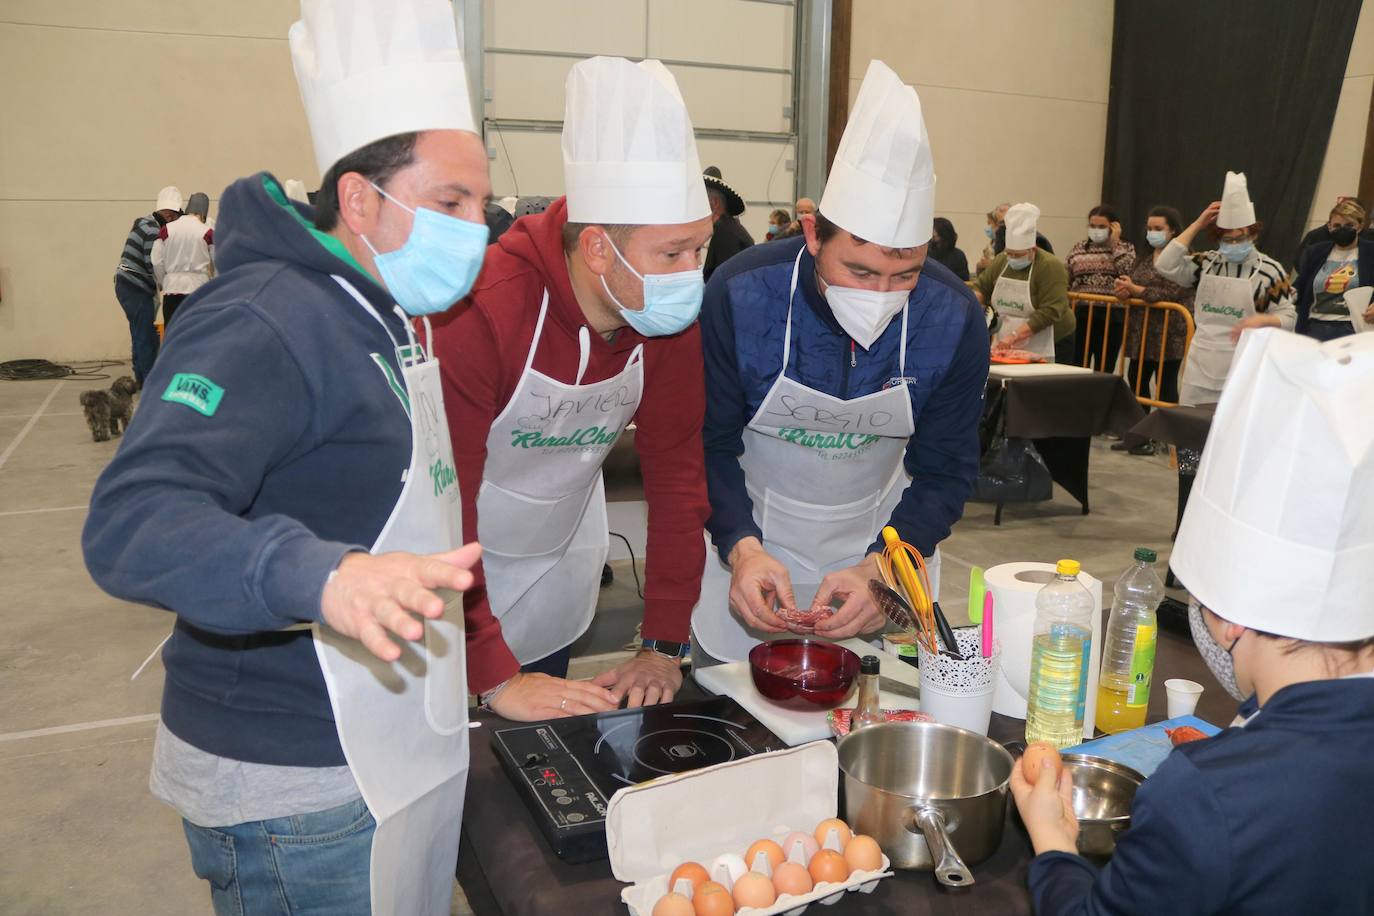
{"x": 921, "y": 788}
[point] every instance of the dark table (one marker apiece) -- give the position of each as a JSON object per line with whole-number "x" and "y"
{"x": 1061, "y": 414}
{"x": 506, "y": 868}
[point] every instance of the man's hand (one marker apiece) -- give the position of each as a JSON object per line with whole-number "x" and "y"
{"x": 529, "y": 697}
{"x": 859, "y": 613}
{"x": 369, "y": 595}
{"x": 1046, "y": 810}
{"x": 647, "y": 679}
{"x": 1261, "y": 320}
{"x": 757, "y": 580}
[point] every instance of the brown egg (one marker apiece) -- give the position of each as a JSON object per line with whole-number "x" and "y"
{"x": 692, "y": 871}
{"x": 772, "y": 849}
{"x": 712, "y": 899}
{"x": 1036, "y": 752}
{"x": 862, "y": 854}
{"x": 791, "y": 878}
{"x": 754, "y": 889}
{"x": 828, "y": 867}
{"x": 673, "y": 905}
{"x": 824, "y": 826}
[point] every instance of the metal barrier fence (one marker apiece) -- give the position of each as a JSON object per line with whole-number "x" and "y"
{"x": 1099, "y": 311}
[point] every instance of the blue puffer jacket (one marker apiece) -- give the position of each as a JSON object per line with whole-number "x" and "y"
{"x": 743, "y": 320}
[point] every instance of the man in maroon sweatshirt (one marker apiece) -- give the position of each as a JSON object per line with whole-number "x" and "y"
{"x": 583, "y": 321}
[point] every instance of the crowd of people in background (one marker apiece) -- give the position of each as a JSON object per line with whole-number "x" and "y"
{"x": 165, "y": 257}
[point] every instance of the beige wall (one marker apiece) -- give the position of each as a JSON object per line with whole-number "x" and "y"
{"x": 1015, "y": 100}
{"x": 1341, "y": 168}
{"x": 104, "y": 102}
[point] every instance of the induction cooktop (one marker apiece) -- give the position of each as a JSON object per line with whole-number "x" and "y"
{"x": 566, "y": 770}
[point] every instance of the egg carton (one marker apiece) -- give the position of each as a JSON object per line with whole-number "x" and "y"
{"x": 689, "y": 817}
{"x": 640, "y": 898}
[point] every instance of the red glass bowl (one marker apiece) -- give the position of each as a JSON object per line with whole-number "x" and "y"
{"x": 803, "y": 673}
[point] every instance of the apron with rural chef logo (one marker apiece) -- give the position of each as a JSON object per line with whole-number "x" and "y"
{"x": 403, "y": 725}
{"x": 541, "y": 511}
{"x": 824, "y": 475}
{"x": 1220, "y": 303}
{"x": 1011, "y": 299}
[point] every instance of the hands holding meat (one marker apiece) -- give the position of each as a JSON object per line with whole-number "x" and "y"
{"x": 761, "y": 594}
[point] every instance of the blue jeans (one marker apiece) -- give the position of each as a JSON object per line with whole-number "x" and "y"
{"x": 555, "y": 665}
{"x": 1329, "y": 330}
{"x": 140, "y": 309}
{"x": 288, "y": 866}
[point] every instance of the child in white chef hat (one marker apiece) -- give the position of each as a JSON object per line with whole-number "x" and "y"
{"x": 1277, "y": 547}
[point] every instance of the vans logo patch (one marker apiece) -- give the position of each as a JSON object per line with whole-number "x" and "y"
{"x": 195, "y": 391}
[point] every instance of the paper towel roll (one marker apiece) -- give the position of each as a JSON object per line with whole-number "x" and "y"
{"x": 1014, "y": 587}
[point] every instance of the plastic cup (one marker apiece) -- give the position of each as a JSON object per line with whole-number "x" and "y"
{"x": 1183, "y": 695}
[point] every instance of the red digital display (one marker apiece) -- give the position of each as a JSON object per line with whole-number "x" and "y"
{"x": 551, "y": 776}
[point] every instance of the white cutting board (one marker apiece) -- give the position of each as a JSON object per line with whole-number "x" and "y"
{"x": 1034, "y": 370}
{"x": 796, "y": 726}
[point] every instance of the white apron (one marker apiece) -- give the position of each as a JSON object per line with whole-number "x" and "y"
{"x": 1220, "y": 303}
{"x": 1011, "y": 299}
{"x": 541, "y": 511}
{"x": 803, "y": 445}
{"x": 404, "y": 725}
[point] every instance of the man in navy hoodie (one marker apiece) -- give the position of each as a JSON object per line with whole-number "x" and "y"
{"x": 286, "y": 491}
{"x": 844, "y": 381}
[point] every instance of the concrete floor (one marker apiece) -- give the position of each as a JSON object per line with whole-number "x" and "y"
{"x": 82, "y": 834}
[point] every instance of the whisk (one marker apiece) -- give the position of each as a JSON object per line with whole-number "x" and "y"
{"x": 904, "y": 570}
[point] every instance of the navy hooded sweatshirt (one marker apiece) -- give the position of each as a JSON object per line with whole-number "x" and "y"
{"x": 271, "y": 439}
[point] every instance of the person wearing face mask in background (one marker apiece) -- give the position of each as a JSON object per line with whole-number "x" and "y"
{"x": 944, "y": 248}
{"x": 1145, "y": 282}
{"x": 844, "y": 381}
{"x": 1027, "y": 288}
{"x": 1322, "y": 234}
{"x": 994, "y": 217}
{"x": 1329, "y": 269}
{"x": 1281, "y": 570}
{"x": 585, "y": 320}
{"x": 1094, "y": 264}
{"x": 778, "y": 221}
{"x": 1237, "y": 288}
{"x": 291, "y": 456}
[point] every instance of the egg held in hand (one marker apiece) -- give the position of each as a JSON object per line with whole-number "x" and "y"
{"x": 1035, "y": 753}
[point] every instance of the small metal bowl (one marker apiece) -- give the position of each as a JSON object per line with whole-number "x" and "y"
{"x": 1103, "y": 791}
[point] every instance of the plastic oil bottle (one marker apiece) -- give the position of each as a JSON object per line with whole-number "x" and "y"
{"x": 1059, "y": 659}
{"x": 1128, "y": 650}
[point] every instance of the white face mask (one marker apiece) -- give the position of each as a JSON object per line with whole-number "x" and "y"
{"x": 864, "y": 313}
{"x": 1098, "y": 234}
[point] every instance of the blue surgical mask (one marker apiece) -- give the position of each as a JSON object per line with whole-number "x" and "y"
{"x": 671, "y": 301}
{"x": 1157, "y": 238}
{"x": 1235, "y": 252}
{"x": 773, "y": 231}
{"x": 438, "y": 263}
{"x": 1018, "y": 263}
{"x": 990, "y": 232}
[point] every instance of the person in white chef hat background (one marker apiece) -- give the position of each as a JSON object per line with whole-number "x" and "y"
{"x": 1028, "y": 290}
{"x": 844, "y": 381}
{"x": 584, "y": 321}
{"x": 295, "y": 463}
{"x": 1238, "y": 288}
{"x": 1274, "y": 816}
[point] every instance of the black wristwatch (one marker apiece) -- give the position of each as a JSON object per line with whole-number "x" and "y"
{"x": 669, "y": 649}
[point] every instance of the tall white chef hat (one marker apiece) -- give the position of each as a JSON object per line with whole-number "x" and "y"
{"x": 1237, "y": 211}
{"x": 368, "y": 69}
{"x": 169, "y": 198}
{"x": 629, "y": 152}
{"x": 1278, "y": 535}
{"x": 1020, "y": 221}
{"x": 882, "y": 184}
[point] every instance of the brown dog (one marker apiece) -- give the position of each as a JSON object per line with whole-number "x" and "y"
{"x": 107, "y": 409}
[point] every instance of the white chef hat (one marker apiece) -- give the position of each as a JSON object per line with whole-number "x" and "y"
{"x": 1278, "y": 535}
{"x": 169, "y": 198}
{"x": 1020, "y": 221}
{"x": 369, "y": 69}
{"x": 1237, "y": 212}
{"x": 629, "y": 152}
{"x": 295, "y": 189}
{"x": 882, "y": 184}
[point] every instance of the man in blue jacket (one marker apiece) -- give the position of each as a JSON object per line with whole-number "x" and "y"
{"x": 287, "y": 490}
{"x": 844, "y": 381}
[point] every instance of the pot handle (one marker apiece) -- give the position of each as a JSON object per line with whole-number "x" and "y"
{"x": 950, "y": 870}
